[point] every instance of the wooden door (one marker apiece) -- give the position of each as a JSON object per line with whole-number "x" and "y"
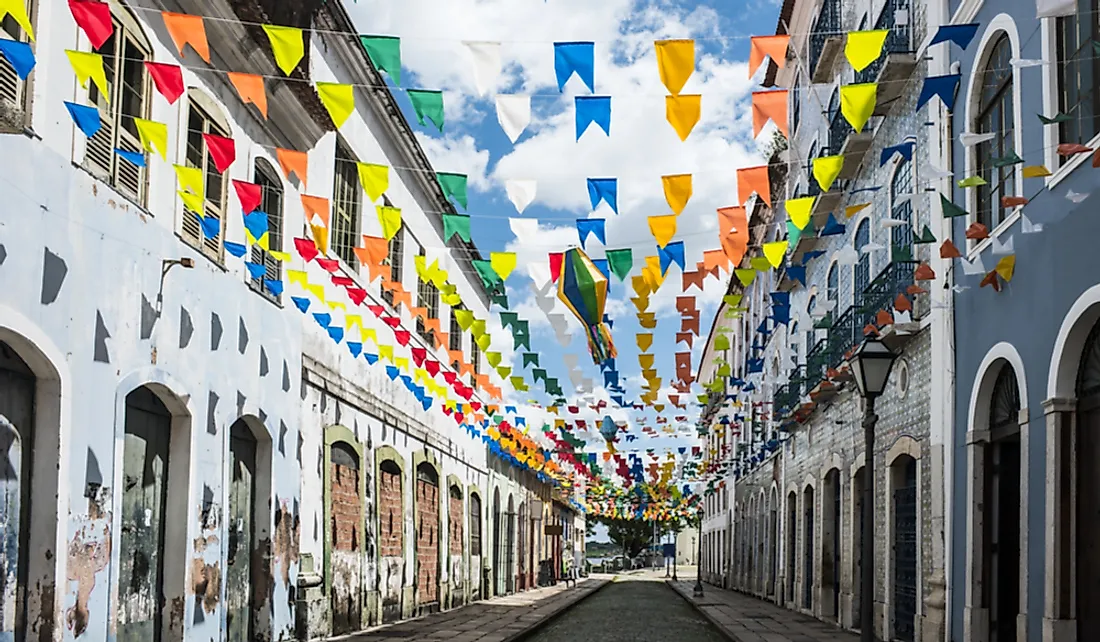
{"x": 427, "y": 536}
{"x": 17, "y": 390}
{"x": 144, "y": 493}
{"x": 240, "y": 619}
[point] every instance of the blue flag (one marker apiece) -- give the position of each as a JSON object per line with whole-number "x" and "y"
{"x": 575, "y": 57}
{"x": 86, "y": 118}
{"x": 593, "y": 109}
{"x": 606, "y": 190}
{"x": 943, "y": 86}
{"x": 19, "y": 55}
{"x": 586, "y": 226}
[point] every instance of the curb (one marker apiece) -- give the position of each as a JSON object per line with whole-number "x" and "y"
{"x": 553, "y": 615}
{"x": 707, "y": 616}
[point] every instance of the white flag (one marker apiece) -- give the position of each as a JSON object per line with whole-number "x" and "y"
{"x": 514, "y": 114}
{"x": 973, "y": 268}
{"x": 970, "y": 139}
{"x": 521, "y": 193}
{"x": 525, "y": 229}
{"x": 1027, "y": 227}
{"x": 487, "y": 66}
{"x": 1002, "y": 249}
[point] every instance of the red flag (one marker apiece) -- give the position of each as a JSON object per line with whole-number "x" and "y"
{"x": 432, "y": 367}
{"x": 329, "y": 265}
{"x": 222, "y": 150}
{"x": 555, "y": 264}
{"x": 94, "y": 18}
{"x": 307, "y": 249}
{"x": 357, "y": 295}
{"x": 249, "y": 194}
{"x": 418, "y": 356}
{"x": 402, "y": 336}
{"x": 168, "y": 80}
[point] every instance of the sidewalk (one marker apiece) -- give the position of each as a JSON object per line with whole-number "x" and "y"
{"x": 748, "y": 619}
{"x": 500, "y": 619}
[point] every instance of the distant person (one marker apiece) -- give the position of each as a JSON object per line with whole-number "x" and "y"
{"x": 568, "y": 572}
{"x": 578, "y": 564}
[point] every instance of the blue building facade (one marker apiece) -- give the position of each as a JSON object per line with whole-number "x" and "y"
{"x": 1024, "y": 514}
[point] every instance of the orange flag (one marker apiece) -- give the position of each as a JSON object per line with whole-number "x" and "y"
{"x": 774, "y": 46}
{"x": 250, "y": 88}
{"x": 293, "y": 162}
{"x": 377, "y": 249}
{"x": 715, "y": 259}
{"x": 769, "y": 105}
{"x": 754, "y": 179}
{"x": 316, "y": 206}
{"x": 733, "y": 232}
{"x": 187, "y": 30}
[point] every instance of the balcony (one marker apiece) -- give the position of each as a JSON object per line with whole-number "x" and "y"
{"x": 851, "y": 145}
{"x": 898, "y": 59}
{"x": 826, "y": 42}
{"x": 827, "y": 202}
{"x": 880, "y": 295}
{"x": 817, "y": 363}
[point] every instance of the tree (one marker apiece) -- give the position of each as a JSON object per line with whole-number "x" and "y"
{"x": 631, "y": 536}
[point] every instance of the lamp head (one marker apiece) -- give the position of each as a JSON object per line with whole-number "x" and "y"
{"x": 871, "y": 366}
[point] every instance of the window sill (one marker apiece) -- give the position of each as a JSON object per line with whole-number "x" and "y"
{"x": 976, "y": 249}
{"x": 1067, "y": 168}
{"x": 263, "y": 294}
{"x": 103, "y": 181}
{"x": 202, "y": 255}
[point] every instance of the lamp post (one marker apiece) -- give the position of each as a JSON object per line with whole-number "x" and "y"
{"x": 871, "y": 365}
{"x": 675, "y": 537}
{"x": 699, "y": 564}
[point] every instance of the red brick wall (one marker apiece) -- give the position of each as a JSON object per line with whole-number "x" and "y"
{"x": 455, "y": 518}
{"x": 347, "y": 513}
{"x": 427, "y": 542}
{"x": 391, "y": 535}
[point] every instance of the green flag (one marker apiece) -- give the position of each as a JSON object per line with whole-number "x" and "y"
{"x": 489, "y": 276}
{"x": 454, "y": 186}
{"x": 507, "y": 319}
{"x": 530, "y": 359}
{"x": 793, "y": 233}
{"x": 621, "y": 262}
{"x": 926, "y": 236}
{"x": 456, "y": 224}
{"x": 427, "y": 104}
{"x": 385, "y": 54}
{"x": 950, "y": 210}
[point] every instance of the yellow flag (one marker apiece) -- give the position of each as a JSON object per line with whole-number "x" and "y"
{"x": 17, "y": 9}
{"x": 675, "y": 63}
{"x": 279, "y": 256}
{"x": 683, "y": 112}
{"x": 759, "y": 263}
{"x": 653, "y": 263}
{"x": 353, "y": 320}
{"x": 375, "y": 179}
{"x": 402, "y": 363}
{"x": 798, "y": 210}
{"x": 663, "y": 228}
{"x": 320, "y": 237}
{"x": 88, "y": 65}
{"x": 153, "y": 135}
{"x": 502, "y": 263}
{"x": 264, "y": 241}
{"x": 641, "y": 303}
{"x": 484, "y": 341}
{"x": 386, "y": 352}
{"x": 465, "y": 318}
{"x": 193, "y": 202}
{"x": 775, "y": 252}
{"x": 826, "y": 169}
{"x": 852, "y": 210}
{"x": 745, "y": 276}
{"x": 1036, "y": 171}
{"x": 864, "y": 47}
{"x": 317, "y": 290}
{"x": 368, "y": 334}
{"x": 478, "y": 327}
{"x": 1006, "y": 267}
{"x": 390, "y": 217}
{"x": 337, "y": 305}
{"x": 338, "y": 99}
{"x": 645, "y": 361}
{"x": 677, "y": 191}
{"x": 287, "y": 44}
{"x": 493, "y": 358}
{"x": 190, "y": 179}
{"x": 645, "y": 341}
{"x": 640, "y": 286}
{"x": 297, "y": 276}
{"x": 857, "y": 103}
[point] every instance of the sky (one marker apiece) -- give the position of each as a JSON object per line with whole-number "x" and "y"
{"x": 641, "y": 148}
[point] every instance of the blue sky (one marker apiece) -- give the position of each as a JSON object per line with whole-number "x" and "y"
{"x": 642, "y": 146}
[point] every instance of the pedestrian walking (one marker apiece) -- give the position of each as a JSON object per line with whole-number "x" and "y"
{"x": 569, "y": 571}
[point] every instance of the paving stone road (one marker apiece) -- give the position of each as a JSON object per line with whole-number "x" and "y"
{"x": 637, "y": 608}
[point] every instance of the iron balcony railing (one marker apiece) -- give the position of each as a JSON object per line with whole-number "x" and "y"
{"x": 880, "y": 293}
{"x": 818, "y": 361}
{"x": 839, "y": 130}
{"x": 828, "y": 26}
{"x": 899, "y": 40}
{"x": 843, "y": 335}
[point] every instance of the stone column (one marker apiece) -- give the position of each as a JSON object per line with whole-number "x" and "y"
{"x": 1059, "y": 580}
{"x": 975, "y": 616}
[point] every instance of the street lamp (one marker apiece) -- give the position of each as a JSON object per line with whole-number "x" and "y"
{"x": 871, "y": 365}
{"x": 699, "y": 564}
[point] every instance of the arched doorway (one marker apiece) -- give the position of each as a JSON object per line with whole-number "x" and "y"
{"x": 1088, "y": 489}
{"x": 510, "y": 547}
{"x": 904, "y": 550}
{"x": 773, "y": 544}
{"x": 145, "y": 483}
{"x": 498, "y": 584}
{"x": 478, "y": 585}
{"x": 859, "y": 523}
{"x": 456, "y": 544}
{"x": 346, "y": 520}
{"x": 792, "y": 544}
{"x": 830, "y": 543}
{"x": 427, "y": 537}
{"x": 808, "y": 548}
{"x": 240, "y": 608}
{"x": 523, "y": 567}
{"x": 1001, "y": 499}
{"x": 391, "y": 536}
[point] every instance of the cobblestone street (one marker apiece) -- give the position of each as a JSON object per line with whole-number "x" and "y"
{"x": 634, "y": 608}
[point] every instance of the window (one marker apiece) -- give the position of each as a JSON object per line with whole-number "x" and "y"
{"x": 346, "y": 205}
{"x": 475, "y": 357}
{"x": 124, "y": 56}
{"x": 863, "y": 267}
{"x": 199, "y": 122}
{"x": 12, "y": 90}
{"x": 1078, "y": 74}
{"x": 455, "y": 337}
{"x": 475, "y": 524}
{"x": 394, "y": 260}
{"x": 832, "y": 285}
{"x": 427, "y": 296}
{"x": 271, "y": 203}
{"x": 901, "y": 237}
{"x": 796, "y": 106}
{"x": 811, "y": 337}
{"x": 996, "y": 116}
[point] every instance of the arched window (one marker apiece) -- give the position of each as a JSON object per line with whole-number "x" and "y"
{"x": 346, "y": 204}
{"x": 271, "y": 203}
{"x": 811, "y": 337}
{"x": 204, "y": 116}
{"x": 1004, "y": 409}
{"x": 812, "y": 187}
{"x": 832, "y": 284}
{"x": 796, "y": 106}
{"x": 901, "y": 237}
{"x": 862, "y": 275}
{"x": 124, "y": 56}
{"x": 475, "y": 524}
{"x": 996, "y": 116}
